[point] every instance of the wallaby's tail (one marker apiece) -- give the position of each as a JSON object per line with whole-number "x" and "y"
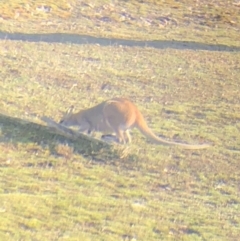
{"x": 143, "y": 127}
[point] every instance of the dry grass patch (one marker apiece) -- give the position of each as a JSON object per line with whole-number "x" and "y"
{"x": 215, "y": 22}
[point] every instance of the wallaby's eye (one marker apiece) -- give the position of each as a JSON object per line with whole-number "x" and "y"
{"x": 61, "y": 121}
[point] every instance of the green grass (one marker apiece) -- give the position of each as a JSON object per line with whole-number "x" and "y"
{"x": 53, "y": 188}
{"x": 215, "y": 22}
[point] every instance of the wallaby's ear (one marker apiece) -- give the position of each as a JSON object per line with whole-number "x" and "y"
{"x": 67, "y": 114}
{"x": 70, "y": 110}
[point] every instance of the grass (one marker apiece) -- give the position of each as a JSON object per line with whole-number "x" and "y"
{"x": 61, "y": 193}
{"x": 203, "y": 21}
{"x": 53, "y": 188}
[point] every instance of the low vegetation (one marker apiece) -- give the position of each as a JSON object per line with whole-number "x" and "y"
{"x": 215, "y": 22}
{"x": 54, "y": 188}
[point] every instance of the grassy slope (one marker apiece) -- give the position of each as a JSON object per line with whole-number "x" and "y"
{"x": 51, "y": 191}
{"x": 164, "y": 192}
{"x": 205, "y": 21}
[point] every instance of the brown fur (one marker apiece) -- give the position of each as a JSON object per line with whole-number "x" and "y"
{"x": 117, "y": 115}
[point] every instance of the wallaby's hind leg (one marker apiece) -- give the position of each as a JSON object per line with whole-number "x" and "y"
{"x": 128, "y": 137}
{"x": 120, "y": 136}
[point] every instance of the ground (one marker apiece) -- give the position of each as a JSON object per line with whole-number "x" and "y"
{"x": 178, "y": 61}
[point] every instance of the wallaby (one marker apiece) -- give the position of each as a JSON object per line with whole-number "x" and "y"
{"x": 117, "y": 115}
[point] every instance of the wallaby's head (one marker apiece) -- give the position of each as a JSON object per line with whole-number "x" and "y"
{"x": 67, "y": 117}
{"x": 75, "y": 119}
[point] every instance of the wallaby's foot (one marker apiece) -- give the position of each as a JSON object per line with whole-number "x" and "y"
{"x": 109, "y": 138}
{"x": 89, "y": 132}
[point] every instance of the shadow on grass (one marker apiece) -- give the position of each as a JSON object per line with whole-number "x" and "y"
{"x": 84, "y": 39}
{"x": 16, "y": 130}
